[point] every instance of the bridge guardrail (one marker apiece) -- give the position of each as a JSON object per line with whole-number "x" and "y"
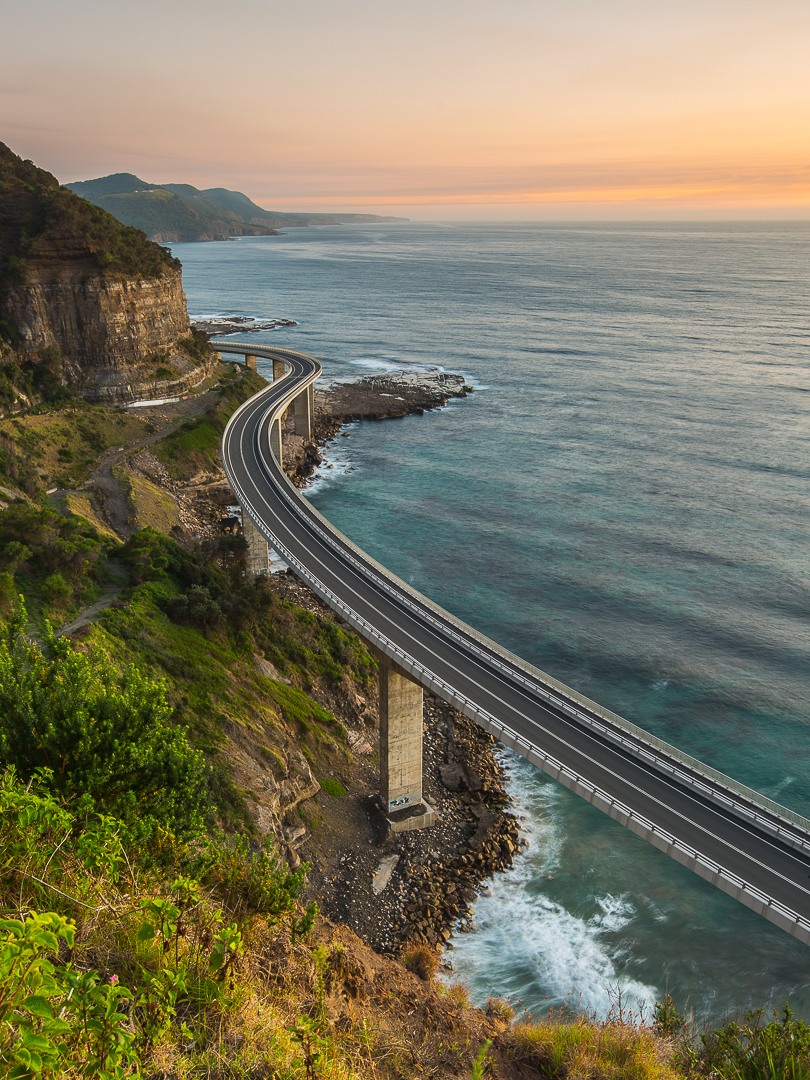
{"x": 666, "y": 841}
{"x": 617, "y": 729}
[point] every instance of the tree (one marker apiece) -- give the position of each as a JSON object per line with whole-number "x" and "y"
{"x": 105, "y": 736}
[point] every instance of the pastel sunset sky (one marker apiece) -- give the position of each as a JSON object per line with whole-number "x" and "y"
{"x": 432, "y": 109}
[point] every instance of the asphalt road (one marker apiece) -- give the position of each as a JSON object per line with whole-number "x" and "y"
{"x": 743, "y": 845}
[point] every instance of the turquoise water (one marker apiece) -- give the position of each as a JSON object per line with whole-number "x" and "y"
{"x": 623, "y": 502}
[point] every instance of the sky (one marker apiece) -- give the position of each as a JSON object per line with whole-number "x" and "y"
{"x": 429, "y": 109}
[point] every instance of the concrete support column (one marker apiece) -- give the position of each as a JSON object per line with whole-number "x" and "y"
{"x": 250, "y": 361}
{"x": 217, "y": 355}
{"x": 258, "y": 557}
{"x": 400, "y": 738}
{"x": 303, "y": 415}
{"x": 279, "y": 370}
{"x": 275, "y": 440}
{"x": 311, "y": 392}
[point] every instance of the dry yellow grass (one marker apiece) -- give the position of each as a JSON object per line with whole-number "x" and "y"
{"x": 584, "y": 1048}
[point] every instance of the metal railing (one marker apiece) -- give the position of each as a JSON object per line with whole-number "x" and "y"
{"x": 778, "y": 820}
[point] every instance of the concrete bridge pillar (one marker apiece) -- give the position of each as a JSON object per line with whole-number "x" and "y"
{"x": 401, "y": 749}
{"x": 217, "y": 354}
{"x": 258, "y": 556}
{"x": 250, "y": 361}
{"x": 279, "y": 370}
{"x": 303, "y": 414}
{"x": 275, "y": 440}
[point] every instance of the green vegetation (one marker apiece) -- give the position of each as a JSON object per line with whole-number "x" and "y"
{"x": 42, "y": 379}
{"x": 187, "y": 623}
{"x": 63, "y": 442}
{"x": 104, "y": 739}
{"x": 195, "y": 446}
{"x": 56, "y": 562}
{"x": 107, "y": 966}
{"x": 46, "y": 210}
{"x": 333, "y": 788}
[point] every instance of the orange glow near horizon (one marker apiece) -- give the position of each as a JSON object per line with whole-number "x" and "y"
{"x": 534, "y": 108}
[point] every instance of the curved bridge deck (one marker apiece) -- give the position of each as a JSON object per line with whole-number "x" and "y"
{"x": 740, "y": 841}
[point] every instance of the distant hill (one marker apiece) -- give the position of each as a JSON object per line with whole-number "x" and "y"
{"x": 179, "y": 212}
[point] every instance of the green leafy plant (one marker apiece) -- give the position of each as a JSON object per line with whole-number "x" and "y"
{"x": 106, "y": 738}
{"x": 55, "y": 1017}
{"x": 753, "y": 1050}
{"x": 251, "y": 881}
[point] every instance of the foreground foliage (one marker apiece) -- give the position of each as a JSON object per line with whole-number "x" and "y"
{"x": 163, "y": 954}
{"x": 105, "y": 739}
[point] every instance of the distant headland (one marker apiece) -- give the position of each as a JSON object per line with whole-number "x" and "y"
{"x": 179, "y": 213}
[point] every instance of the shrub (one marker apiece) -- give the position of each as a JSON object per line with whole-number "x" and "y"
{"x": 57, "y": 591}
{"x": 422, "y": 961}
{"x": 752, "y": 1050}
{"x": 197, "y": 606}
{"x": 107, "y": 738}
{"x": 253, "y": 881}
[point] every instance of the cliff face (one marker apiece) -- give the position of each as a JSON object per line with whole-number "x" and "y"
{"x": 83, "y": 293}
{"x": 97, "y": 324}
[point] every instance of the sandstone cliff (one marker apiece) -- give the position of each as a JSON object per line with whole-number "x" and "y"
{"x": 90, "y": 302}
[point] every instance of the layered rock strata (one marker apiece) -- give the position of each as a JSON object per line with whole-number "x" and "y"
{"x": 93, "y": 302}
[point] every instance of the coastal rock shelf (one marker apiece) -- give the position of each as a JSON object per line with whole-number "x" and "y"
{"x": 238, "y": 324}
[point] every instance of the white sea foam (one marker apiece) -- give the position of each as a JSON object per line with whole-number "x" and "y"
{"x": 527, "y": 946}
{"x": 338, "y": 460}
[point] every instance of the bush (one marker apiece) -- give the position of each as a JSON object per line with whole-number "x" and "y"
{"x": 107, "y": 738}
{"x": 57, "y": 591}
{"x": 253, "y": 881}
{"x": 422, "y": 961}
{"x": 756, "y": 1051}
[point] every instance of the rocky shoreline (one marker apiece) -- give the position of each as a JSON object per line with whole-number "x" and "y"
{"x": 374, "y": 397}
{"x": 223, "y": 325}
{"x": 398, "y": 889}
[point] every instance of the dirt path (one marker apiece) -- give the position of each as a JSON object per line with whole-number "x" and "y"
{"x": 104, "y": 601}
{"x": 103, "y": 484}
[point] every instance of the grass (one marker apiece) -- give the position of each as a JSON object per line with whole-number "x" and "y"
{"x": 333, "y": 788}
{"x": 149, "y": 504}
{"x": 422, "y": 961}
{"x": 195, "y": 447}
{"x": 63, "y": 444}
{"x": 567, "y": 1048}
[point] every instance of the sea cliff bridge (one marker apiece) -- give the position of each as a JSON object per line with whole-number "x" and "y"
{"x": 747, "y": 845}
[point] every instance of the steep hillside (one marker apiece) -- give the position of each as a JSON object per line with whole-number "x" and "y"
{"x": 172, "y": 213}
{"x": 86, "y": 304}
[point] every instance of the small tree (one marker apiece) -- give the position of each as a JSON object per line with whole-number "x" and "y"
{"x": 106, "y": 737}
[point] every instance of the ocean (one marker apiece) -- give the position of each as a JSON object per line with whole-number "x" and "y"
{"x": 623, "y": 502}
